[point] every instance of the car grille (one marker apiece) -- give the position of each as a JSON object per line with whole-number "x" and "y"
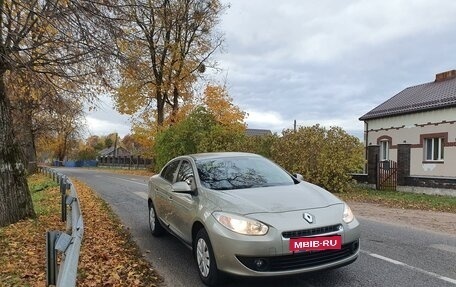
{"x": 312, "y": 232}
{"x": 299, "y": 260}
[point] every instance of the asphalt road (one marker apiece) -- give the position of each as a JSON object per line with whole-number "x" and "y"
{"x": 391, "y": 255}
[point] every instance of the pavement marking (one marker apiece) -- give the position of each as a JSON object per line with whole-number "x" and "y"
{"x": 438, "y": 276}
{"x": 141, "y": 194}
{"x": 127, "y": 180}
{"x": 444, "y": 247}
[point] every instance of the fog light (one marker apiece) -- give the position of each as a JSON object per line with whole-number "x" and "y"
{"x": 260, "y": 264}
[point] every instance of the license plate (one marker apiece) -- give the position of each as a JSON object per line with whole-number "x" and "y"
{"x": 316, "y": 243}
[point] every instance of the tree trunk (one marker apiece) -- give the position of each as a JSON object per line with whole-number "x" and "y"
{"x": 175, "y": 105}
{"x": 15, "y": 199}
{"x": 25, "y": 137}
{"x": 160, "y": 108}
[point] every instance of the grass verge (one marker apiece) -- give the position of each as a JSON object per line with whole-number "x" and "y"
{"x": 109, "y": 257}
{"x": 399, "y": 199}
{"x": 141, "y": 172}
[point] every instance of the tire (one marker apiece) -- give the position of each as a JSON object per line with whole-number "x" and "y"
{"x": 205, "y": 260}
{"x": 154, "y": 224}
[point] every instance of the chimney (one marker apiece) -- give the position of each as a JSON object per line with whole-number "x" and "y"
{"x": 445, "y": 76}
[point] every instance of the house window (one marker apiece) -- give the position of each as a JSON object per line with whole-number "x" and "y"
{"x": 384, "y": 150}
{"x": 433, "y": 149}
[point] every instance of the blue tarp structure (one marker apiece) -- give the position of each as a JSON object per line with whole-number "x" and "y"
{"x": 81, "y": 163}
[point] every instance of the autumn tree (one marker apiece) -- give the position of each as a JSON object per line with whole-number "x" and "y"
{"x": 65, "y": 135}
{"x": 165, "y": 46}
{"x": 217, "y": 100}
{"x": 57, "y": 40}
{"x": 95, "y": 142}
{"x": 132, "y": 144}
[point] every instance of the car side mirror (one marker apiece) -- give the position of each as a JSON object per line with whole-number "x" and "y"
{"x": 299, "y": 176}
{"x": 181, "y": 187}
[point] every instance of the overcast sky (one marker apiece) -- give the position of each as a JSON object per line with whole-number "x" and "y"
{"x": 326, "y": 62}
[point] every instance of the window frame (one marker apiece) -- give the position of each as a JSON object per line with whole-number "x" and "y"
{"x": 433, "y": 143}
{"x": 384, "y": 150}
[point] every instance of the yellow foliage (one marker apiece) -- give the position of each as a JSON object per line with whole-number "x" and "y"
{"x": 219, "y": 103}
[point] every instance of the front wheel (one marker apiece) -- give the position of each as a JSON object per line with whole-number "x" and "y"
{"x": 154, "y": 224}
{"x": 204, "y": 257}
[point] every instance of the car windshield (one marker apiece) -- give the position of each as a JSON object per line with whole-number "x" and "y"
{"x": 241, "y": 172}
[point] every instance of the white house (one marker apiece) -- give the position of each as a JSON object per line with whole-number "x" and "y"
{"x": 422, "y": 117}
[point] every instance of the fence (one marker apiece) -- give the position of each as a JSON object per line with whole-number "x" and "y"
{"x": 387, "y": 175}
{"x": 68, "y": 243}
{"x": 130, "y": 162}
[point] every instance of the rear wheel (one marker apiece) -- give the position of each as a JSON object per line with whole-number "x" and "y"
{"x": 205, "y": 260}
{"x": 154, "y": 224}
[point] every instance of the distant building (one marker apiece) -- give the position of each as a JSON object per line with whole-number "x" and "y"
{"x": 110, "y": 151}
{"x": 257, "y": 132}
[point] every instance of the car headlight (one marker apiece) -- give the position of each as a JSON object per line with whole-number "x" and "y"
{"x": 241, "y": 224}
{"x": 348, "y": 214}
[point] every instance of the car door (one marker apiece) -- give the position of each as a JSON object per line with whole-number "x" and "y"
{"x": 164, "y": 191}
{"x": 184, "y": 205}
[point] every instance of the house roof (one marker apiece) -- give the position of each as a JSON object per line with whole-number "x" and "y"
{"x": 429, "y": 96}
{"x": 106, "y": 151}
{"x": 110, "y": 150}
{"x": 257, "y": 132}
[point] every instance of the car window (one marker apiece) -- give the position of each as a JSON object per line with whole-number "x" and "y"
{"x": 241, "y": 172}
{"x": 186, "y": 173}
{"x": 169, "y": 171}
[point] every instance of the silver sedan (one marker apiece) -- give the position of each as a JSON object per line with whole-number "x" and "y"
{"x": 242, "y": 214}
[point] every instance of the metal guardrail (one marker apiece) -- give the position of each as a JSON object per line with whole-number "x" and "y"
{"x": 68, "y": 243}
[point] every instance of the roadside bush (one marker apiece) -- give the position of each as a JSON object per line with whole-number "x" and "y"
{"x": 259, "y": 144}
{"x": 183, "y": 137}
{"x": 222, "y": 138}
{"x": 197, "y": 133}
{"x": 325, "y": 157}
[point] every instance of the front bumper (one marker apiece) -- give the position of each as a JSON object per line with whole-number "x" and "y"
{"x": 269, "y": 255}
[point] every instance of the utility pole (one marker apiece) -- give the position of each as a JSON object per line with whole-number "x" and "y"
{"x": 115, "y": 146}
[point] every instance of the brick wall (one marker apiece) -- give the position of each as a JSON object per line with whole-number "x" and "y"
{"x": 373, "y": 153}
{"x": 432, "y": 182}
{"x": 403, "y": 163}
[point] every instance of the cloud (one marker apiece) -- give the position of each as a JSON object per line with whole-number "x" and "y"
{"x": 265, "y": 120}
{"x": 104, "y": 127}
{"x": 105, "y": 119}
{"x": 331, "y": 62}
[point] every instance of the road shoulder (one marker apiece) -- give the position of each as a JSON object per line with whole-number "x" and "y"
{"x": 442, "y": 222}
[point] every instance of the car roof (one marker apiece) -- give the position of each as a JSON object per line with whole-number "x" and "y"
{"x": 213, "y": 155}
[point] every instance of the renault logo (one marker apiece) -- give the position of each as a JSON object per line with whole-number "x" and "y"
{"x": 308, "y": 217}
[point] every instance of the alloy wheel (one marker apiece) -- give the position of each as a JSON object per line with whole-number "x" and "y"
{"x": 203, "y": 257}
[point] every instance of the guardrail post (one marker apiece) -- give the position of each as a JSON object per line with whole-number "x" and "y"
{"x": 51, "y": 257}
{"x": 63, "y": 189}
{"x": 69, "y": 217}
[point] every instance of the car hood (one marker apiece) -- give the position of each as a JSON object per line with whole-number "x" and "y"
{"x": 272, "y": 199}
